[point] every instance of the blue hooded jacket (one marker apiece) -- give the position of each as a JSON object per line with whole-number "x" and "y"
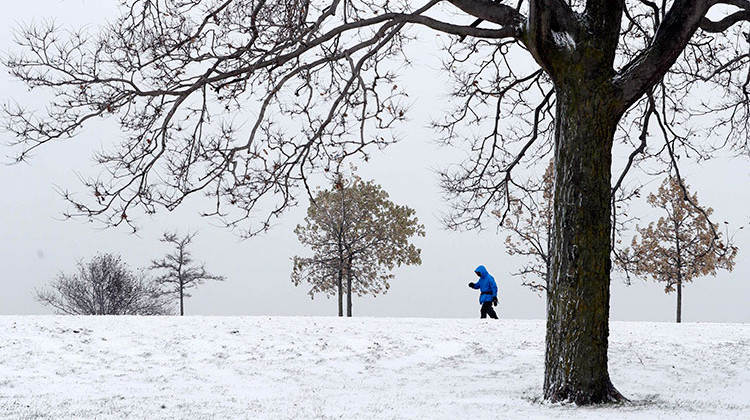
{"x": 486, "y": 284}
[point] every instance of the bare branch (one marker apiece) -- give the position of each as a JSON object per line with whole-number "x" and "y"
{"x": 673, "y": 34}
{"x": 492, "y": 11}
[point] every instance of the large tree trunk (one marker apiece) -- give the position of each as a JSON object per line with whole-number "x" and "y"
{"x": 578, "y": 282}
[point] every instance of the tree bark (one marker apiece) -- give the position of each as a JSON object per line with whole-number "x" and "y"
{"x": 587, "y": 113}
{"x": 349, "y": 287}
{"x": 679, "y": 301}
{"x": 182, "y": 296}
{"x": 678, "y": 250}
{"x": 340, "y": 287}
{"x": 342, "y": 228}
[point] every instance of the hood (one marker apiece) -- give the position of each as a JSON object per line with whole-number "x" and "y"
{"x": 482, "y": 271}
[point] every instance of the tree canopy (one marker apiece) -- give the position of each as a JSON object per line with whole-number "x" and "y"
{"x": 358, "y": 236}
{"x": 104, "y": 286}
{"x": 681, "y": 245}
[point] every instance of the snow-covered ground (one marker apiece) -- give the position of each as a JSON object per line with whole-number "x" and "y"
{"x": 308, "y": 368}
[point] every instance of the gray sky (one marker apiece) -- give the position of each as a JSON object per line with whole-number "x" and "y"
{"x": 36, "y": 245}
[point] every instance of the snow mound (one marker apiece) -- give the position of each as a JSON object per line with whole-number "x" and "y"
{"x": 360, "y": 368}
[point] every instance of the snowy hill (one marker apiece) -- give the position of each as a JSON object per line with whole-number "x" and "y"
{"x": 360, "y": 368}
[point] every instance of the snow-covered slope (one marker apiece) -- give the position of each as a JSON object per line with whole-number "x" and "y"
{"x": 360, "y": 368}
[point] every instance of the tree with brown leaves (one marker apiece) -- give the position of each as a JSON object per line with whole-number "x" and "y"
{"x": 529, "y": 223}
{"x": 247, "y": 99}
{"x": 681, "y": 245}
{"x": 357, "y": 236}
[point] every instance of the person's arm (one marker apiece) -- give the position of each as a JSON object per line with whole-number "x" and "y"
{"x": 473, "y": 285}
{"x": 493, "y": 286}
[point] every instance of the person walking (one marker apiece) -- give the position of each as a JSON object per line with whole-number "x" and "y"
{"x": 488, "y": 288}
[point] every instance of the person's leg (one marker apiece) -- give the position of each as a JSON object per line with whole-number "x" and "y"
{"x": 491, "y": 311}
{"x": 487, "y": 310}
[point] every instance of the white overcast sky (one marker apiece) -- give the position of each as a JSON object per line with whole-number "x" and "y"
{"x": 36, "y": 244}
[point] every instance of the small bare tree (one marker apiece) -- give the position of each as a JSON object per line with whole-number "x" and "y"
{"x": 357, "y": 236}
{"x": 681, "y": 245}
{"x": 104, "y": 286}
{"x": 179, "y": 271}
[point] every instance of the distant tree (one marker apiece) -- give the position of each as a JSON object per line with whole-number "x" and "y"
{"x": 529, "y": 223}
{"x": 357, "y": 236}
{"x": 681, "y": 245}
{"x": 104, "y": 286}
{"x": 179, "y": 270}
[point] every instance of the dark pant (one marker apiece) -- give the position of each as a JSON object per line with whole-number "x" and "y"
{"x": 487, "y": 310}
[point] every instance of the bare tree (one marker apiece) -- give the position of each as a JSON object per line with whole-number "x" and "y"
{"x": 681, "y": 245}
{"x": 247, "y": 99}
{"x": 529, "y": 225}
{"x": 357, "y": 236}
{"x": 179, "y": 272}
{"x": 104, "y": 286}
